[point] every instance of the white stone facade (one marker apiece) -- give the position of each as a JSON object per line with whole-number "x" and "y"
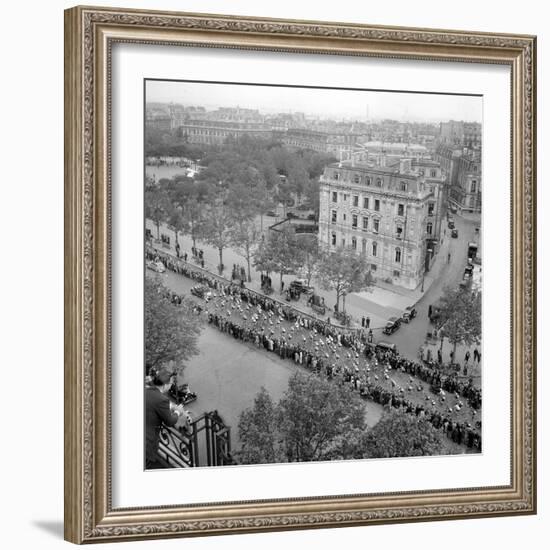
{"x": 392, "y": 215}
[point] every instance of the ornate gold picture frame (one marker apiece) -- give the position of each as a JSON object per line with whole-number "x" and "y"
{"x": 90, "y": 34}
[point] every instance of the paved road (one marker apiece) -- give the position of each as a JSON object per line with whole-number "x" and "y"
{"x": 379, "y": 305}
{"x": 227, "y": 374}
{"x": 410, "y": 336}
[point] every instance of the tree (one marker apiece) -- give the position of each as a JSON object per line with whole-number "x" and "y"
{"x": 460, "y": 316}
{"x": 193, "y": 219}
{"x": 217, "y": 226}
{"x": 400, "y": 434}
{"x": 308, "y": 247}
{"x": 344, "y": 272}
{"x": 314, "y": 414}
{"x": 258, "y": 432}
{"x": 156, "y": 206}
{"x": 298, "y": 179}
{"x": 314, "y": 420}
{"x": 262, "y": 258}
{"x": 280, "y": 252}
{"x": 176, "y": 221}
{"x": 245, "y": 237}
{"x": 171, "y": 331}
{"x": 241, "y": 203}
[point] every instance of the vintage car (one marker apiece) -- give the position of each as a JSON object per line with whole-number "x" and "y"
{"x": 317, "y": 304}
{"x": 301, "y": 286}
{"x": 454, "y": 233}
{"x": 201, "y": 291}
{"x": 409, "y": 314}
{"x": 156, "y": 266}
{"x": 434, "y": 312}
{"x": 181, "y": 394}
{"x": 392, "y": 324}
{"x": 468, "y": 271}
{"x": 386, "y": 346}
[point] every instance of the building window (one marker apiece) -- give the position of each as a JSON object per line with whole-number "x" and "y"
{"x": 336, "y": 175}
{"x": 368, "y": 181}
{"x": 354, "y": 243}
{"x": 431, "y": 207}
{"x": 364, "y": 246}
{"x": 398, "y": 255}
{"x": 365, "y": 222}
{"x": 399, "y": 232}
{"x": 429, "y": 228}
{"x": 404, "y": 186}
{"x": 376, "y": 224}
{"x": 333, "y": 239}
{"x": 396, "y": 273}
{"x": 374, "y": 247}
{"x": 400, "y": 209}
{"x": 334, "y": 196}
{"x": 366, "y": 203}
{"x": 334, "y": 216}
{"x": 343, "y": 243}
{"x": 373, "y": 267}
{"x": 433, "y": 173}
{"x": 356, "y": 179}
{"x": 473, "y": 186}
{"x": 355, "y": 200}
{"x": 345, "y": 217}
{"x": 377, "y": 205}
{"x": 379, "y": 182}
{"x": 354, "y": 220}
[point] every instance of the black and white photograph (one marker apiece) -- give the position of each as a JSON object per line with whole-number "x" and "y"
{"x": 312, "y": 274}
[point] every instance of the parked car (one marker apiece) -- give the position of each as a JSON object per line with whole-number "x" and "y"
{"x": 301, "y": 286}
{"x": 271, "y": 214}
{"x": 317, "y": 303}
{"x": 468, "y": 270}
{"x": 201, "y": 291}
{"x": 392, "y": 324}
{"x": 409, "y": 314}
{"x": 454, "y": 233}
{"x": 386, "y": 346}
{"x": 291, "y": 215}
{"x": 451, "y": 223}
{"x": 434, "y": 312}
{"x": 157, "y": 266}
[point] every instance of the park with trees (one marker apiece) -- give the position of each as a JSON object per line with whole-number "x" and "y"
{"x": 318, "y": 420}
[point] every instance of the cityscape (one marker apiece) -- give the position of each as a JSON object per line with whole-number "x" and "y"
{"x": 313, "y": 274}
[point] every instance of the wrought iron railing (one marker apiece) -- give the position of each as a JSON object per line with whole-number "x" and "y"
{"x": 204, "y": 442}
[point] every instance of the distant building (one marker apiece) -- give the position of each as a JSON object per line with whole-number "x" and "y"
{"x": 395, "y": 149}
{"x": 335, "y": 143}
{"x": 461, "y": 134}
{"x": 158, "y": 120}
{"x": 392, "y": 215}
{"x": 465, "y": 194}
{"x": 215, "y": 132}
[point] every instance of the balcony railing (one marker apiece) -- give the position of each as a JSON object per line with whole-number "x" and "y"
{"x": 206, "y": 442}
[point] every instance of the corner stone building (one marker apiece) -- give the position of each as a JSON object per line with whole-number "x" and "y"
{"x": 391, "y": 214}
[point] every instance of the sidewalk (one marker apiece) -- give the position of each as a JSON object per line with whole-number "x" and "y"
{"x": 379, "y": 303}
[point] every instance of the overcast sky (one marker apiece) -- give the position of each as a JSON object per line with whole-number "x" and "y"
{"x": 320, "y": 102}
